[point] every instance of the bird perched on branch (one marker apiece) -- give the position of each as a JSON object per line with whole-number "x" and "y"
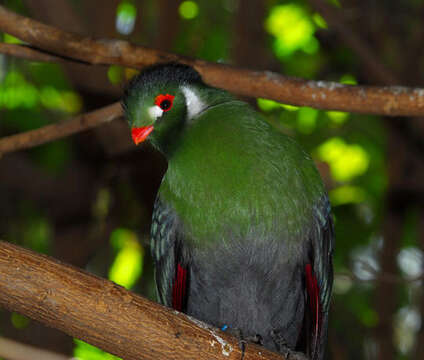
{"x": 242, "y": 235}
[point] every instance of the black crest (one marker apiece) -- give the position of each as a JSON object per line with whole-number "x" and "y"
{"x": 159, "y": 74}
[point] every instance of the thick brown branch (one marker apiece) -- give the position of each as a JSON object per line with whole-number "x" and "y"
{"x": 389, "y": 101}
{"x": 57, "y": 131}
{"x": 106, "y": 315}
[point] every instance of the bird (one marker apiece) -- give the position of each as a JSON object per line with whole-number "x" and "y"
{"x": 242, "y": 233}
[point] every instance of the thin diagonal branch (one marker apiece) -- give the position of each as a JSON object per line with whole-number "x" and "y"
{"x": 389, "y": 101}
{"x": 106, "y": 315}
{"x": 60, "y": 130}
{"x": 28, "y": 53}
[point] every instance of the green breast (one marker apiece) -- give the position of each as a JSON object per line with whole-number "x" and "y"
{"x": 234, "y": 174}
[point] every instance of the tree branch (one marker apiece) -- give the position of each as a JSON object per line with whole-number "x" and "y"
{"x": 28, "y": 53}
{"x": 59, "y": 130}
{"x": 390, "y": 101}
{"x": 106, "y": 315}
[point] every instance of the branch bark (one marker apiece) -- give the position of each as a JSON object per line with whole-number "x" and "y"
{"x": 389, "y": 101}
{"x": 106, "y": 315}
{"x": 28, "y": 53}
{"x": 57, "y": 131}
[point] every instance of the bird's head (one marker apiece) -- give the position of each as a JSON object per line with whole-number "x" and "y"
{"x": 160, "y": 101}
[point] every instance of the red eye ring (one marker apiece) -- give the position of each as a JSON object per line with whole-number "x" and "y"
{"x": 164, "y": 101}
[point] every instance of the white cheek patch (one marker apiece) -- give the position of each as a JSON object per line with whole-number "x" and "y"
{"x": 193, "y": 103}
{"x": 155, "y": 112}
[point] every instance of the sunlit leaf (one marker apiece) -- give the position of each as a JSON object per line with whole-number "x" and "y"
{"x": 71, "y": 102}
{"x": 188, "y": 10}
{"x": 115, "y": 74}
{"x": 306, "y": 120}
{"x": 16, "y": 92}
{"x": 338, "y": 117}
{"x": 19, "y": 321}
{"x": 128, "y": 264}
{"x": 84, "y": 351}
{"x": 269, "y": 105}
{"x": 293, "y": 29}
{"x": 348, "y": 79}
{"x": 319, "y": 21}
{"x": 347, "y": 194}
{"x": 346, "y": 160}
{"x": 9, "y": 39}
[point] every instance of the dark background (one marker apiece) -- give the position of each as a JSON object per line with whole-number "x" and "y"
{"x": 87, "y": 200}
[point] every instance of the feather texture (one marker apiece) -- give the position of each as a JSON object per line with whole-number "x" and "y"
{"x": 314, "y": 308}
{"x": 242, "y": 234}
{"x": 179, "y": 289}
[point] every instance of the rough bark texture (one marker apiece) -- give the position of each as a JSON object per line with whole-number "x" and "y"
{"x": 105, "y": 314}
{"x": 389, "y": 101}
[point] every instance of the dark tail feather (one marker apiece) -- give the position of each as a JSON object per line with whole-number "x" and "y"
{"x": 313, "y": 328}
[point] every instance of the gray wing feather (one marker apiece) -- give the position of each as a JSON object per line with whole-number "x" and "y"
{"x": 322, "y": 245}
{"x": 164, "y": 232}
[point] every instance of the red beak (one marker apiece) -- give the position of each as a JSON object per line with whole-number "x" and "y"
{"x": 141, "y": 133}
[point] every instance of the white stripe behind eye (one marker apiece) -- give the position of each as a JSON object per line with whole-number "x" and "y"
{"x": 193, "y": 103}
{"x": 155, "y": 112}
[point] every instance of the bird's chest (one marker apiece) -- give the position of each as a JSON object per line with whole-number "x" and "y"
{"x": 217, "y": 203}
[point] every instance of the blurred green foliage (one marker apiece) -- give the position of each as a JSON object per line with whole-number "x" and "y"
{"x": 84, "y": 351}
{"x": 127, "y": 267}
{"x": 19, "y": 321}
{"x": 293, "y": 29}
{"x": 188, "y": 10}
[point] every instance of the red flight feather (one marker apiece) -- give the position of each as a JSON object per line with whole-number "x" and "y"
{"x": 314, "y": 305}
{"x": 179, "y": 288}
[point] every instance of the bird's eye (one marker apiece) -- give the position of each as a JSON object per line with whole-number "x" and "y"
{"x": 164, "y": 101}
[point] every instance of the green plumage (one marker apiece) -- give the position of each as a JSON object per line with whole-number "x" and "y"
{"x": 241, "y": 231}
{"x": 232, "y": 169}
